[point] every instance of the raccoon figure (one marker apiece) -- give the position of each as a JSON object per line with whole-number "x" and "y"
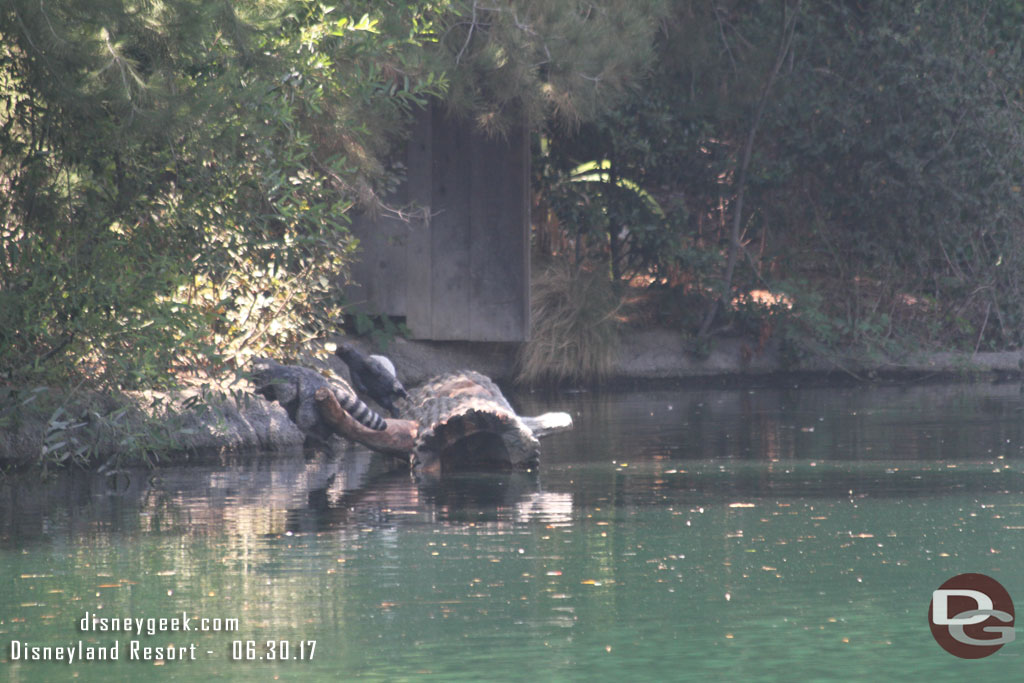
{"x": 363, "y": 414}
{"x": 372, "y": 377}
{"x": 295, "y": 388}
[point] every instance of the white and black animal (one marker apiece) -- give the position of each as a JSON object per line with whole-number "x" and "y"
{"x": 371, "y": 378}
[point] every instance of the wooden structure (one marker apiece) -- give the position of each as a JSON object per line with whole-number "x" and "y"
{"x": 457, "y": 265}
{"x": 455, "y": 421}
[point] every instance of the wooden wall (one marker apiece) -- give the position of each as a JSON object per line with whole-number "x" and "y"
{"x": 459, "y": 267}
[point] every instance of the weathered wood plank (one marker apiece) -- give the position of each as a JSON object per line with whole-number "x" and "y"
{"x": 499, "y": 238}
{"x": 450, "y": 228}
{"x": 524, "y": 210}
{"x": 459, "y": 267}
{"x": 419, "y": 261}
{"x": 378, "y": 272}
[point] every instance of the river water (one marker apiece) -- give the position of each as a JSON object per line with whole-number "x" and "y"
{"x": 749, "y": 534}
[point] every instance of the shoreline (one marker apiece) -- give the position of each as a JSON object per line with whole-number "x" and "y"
{"x": 661, "y": 357}
{"x": 646, "y": 359}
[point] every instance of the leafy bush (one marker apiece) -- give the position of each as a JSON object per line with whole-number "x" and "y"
{"x": 175, "y": 178}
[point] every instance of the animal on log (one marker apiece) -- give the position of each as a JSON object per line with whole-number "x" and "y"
{"x": 295, "y": 388}
{"x": 456, "y": 421}
{"x": 371, "y": 377}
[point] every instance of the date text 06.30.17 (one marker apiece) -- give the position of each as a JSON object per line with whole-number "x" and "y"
{"x": 272, "y": 650}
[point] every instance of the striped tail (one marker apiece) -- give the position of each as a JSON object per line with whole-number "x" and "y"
{"x": 362, "y": 413}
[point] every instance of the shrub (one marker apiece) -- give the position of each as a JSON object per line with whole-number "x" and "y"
{"x": 575, "y": 329}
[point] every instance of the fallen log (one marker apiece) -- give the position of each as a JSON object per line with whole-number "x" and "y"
{"x": 454, "y": 421}
{"x": 464, "y": 419}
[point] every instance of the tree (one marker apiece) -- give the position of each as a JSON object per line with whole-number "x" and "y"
{"x": 550, "y": 62}
{"x": 898, "y": 153}
{"x": 860, "y": 160}
{"x": 175, "y": 178}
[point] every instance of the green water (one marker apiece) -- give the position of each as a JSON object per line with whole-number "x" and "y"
{"x": 679, "y": 535}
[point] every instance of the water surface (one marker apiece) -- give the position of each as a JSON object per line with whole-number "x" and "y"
{"x": 674, "y": 535}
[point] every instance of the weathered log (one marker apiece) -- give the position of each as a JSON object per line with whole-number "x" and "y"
{"x": 464, "y": 419}
{"x": 455, "y": 420}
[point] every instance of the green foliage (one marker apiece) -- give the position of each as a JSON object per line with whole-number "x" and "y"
{"x": 381, "y": 329}
{"x": 175, "y": 178}
{"x": 74, "y": 427}
{"x": 545, "y": 61}
{"x": 884, "y": 176}
{"x": 892, "y": 176}
{"x": 666, "y": 147}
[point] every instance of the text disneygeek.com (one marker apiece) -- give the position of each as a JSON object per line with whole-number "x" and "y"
{"x": 181, "y": 626}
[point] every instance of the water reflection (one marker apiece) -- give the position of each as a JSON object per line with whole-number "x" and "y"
{"x": 727, "y": 534}
{"x": 852, "y": 423}
{"x": 765, "y": 441}
{"x": 267, "y": 496}
{"x": 401, "y": 497}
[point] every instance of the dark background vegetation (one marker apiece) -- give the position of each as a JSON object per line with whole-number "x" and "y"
{"x": 176, "y": 177}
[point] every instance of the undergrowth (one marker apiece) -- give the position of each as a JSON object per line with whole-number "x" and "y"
{"x": 79, "y": 427}
{"x": 574, "y": 327}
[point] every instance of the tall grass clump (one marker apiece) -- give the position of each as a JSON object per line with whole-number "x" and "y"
{"x": 574, "y": 328}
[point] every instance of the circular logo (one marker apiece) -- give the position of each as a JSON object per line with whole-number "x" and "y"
{"x": 971, "y": 616}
